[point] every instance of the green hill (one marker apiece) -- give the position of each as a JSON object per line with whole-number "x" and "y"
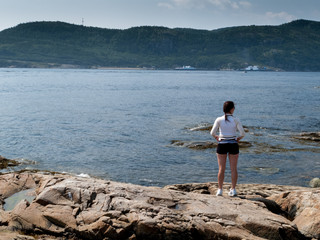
{"x": 292, "y": 47}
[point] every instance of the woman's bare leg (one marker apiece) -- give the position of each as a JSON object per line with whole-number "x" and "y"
{"x": 233, "y": 159}
{"x": 222, "y": 160}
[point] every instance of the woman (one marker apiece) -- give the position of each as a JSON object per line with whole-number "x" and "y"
{"x": 227, "y": 144}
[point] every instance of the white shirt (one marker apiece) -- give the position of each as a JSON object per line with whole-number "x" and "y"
{"x": 227, "y": 129}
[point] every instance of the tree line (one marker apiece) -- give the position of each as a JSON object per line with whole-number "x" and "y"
{"x": 294, "y": 46}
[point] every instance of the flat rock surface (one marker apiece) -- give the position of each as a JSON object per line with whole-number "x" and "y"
{"x": 88, "y": 208}
{"x": 244, "y": 190}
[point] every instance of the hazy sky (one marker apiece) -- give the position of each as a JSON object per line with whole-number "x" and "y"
{"x": 122, "y": 14}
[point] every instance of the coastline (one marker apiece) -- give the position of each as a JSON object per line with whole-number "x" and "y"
{"x": 70, "y": 207}
{"x": 71, "y": 66}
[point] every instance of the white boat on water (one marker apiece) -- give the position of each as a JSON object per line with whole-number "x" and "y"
{"x": 185, "y": 68}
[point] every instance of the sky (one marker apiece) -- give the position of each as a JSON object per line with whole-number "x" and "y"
{"x": 123, "y": 14}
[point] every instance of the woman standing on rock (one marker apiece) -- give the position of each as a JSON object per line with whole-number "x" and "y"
{"x": 227, "y": 144}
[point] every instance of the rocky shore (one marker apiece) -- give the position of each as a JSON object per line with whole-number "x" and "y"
{"x": 58, "y": 206}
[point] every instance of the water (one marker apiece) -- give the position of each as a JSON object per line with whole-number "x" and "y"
{"x": 119, "y": 124}
{"x": 12, "y": 201}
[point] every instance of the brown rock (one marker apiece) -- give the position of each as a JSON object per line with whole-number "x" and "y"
{"x": 244, "y": 190}
{"x": 12, "y": 183}
{"x": 69, "y": 207}
{"x": 308, "y": 136}
{"x": 303, "y": 207}
{"x": 5, "y": 162}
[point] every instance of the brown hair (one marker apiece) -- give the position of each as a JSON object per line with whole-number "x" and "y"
{"x": 227, "y": 106}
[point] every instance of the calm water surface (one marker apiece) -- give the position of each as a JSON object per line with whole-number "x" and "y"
{"x": 119, "y": 124}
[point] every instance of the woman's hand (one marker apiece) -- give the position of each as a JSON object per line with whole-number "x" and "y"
{"x": 238, "y": 139}
{"x": 216, "y": 137}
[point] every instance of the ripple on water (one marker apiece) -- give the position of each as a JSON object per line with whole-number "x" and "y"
{"x": 263, "y": 170}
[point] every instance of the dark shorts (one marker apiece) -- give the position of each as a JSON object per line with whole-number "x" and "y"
{"x": 231, "y": 148}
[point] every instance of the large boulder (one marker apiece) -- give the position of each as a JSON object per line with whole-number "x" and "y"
{"x": 303, "y": 208}
{"x": 88, "y": 208}
{"x": 315, "y": 183}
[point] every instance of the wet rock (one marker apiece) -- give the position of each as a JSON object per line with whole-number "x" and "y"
{"x": 303, "y": 207}
{"x": 13, "y": 200}
{"x": 200, "y": 145}
{"x": 194, "y": 144}
{"x": 83, "y": 208}
{"x": 204, "y": 127}
{"x": 15, "y": 182}
{"x": 315, "y": 183}
{"x": 5, "y": 162}
{"x": 308, "y": 136}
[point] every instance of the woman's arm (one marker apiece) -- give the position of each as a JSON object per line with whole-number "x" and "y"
{"x": 215, "y": 129}
{"x": 240, "y": 129}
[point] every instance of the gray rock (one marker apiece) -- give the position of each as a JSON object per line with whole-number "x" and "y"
{"x": 315, "y": 183}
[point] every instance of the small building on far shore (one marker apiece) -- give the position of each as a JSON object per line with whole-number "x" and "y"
{"x": 252, "y": 68}
{"x": 185, "y": 68}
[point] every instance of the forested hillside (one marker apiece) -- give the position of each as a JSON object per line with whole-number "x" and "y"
{"x": 292, "y": 47}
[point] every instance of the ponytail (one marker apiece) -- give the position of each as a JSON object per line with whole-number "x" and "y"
{"x": 227, "y": 106}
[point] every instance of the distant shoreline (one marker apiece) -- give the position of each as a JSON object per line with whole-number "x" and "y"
{"x": 69, "y": 66}
{"x": 48, "y": 44}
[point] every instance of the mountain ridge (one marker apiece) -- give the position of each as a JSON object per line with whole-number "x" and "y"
{"x": 293, "y": 46}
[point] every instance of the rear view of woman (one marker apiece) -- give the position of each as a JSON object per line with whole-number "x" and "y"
{"x": 228, "y": 125}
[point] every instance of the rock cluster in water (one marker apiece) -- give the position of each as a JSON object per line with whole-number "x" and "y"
{"x": 308, "y": 136}
{"x": 200, "y": 145}
{"x": 254, "y": 146}
{"x": 5, "y": 163}
{"x": 68, "y": 207}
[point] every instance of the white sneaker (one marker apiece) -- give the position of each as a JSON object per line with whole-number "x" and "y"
{"x": 232, "y": 192}
{"x": 219, "y": 192}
